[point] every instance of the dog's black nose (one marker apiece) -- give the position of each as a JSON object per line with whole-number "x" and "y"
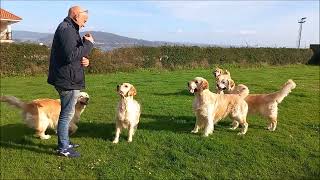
{"x": 188, "y": 83}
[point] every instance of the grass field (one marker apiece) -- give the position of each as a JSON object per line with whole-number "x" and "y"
{"x": 163, "y": 147}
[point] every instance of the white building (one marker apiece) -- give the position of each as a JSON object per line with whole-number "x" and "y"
{"x": 6, "y": 19}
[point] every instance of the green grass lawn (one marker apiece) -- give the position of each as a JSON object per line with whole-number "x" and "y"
{"x": 163, "y": 147}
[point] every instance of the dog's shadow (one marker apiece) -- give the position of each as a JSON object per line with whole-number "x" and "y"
{"x": 180, "y": 124}
{"x": 97, "y": 130}
{"x": 176, "y": 124}
{"x": 183, "y": 92}
{"x": 18, "y": 136}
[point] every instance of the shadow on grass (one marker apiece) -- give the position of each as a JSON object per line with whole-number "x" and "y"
{"x": 184, "y": 92}
{"x": 96, "y": 130}
{"x": 182, "y": 124}
{"x": 179, "y": 124}
{"x": 18, "y": 136}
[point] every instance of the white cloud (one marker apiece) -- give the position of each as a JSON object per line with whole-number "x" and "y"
{"x": 248, "y": 32}
{"x": 119, "y": 13}
{"x": 271, "y": 23}
{"x": 213, "y": 12}
{"x": 179, "y": 30}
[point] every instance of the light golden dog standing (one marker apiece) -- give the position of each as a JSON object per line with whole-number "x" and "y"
{"x": 210, "y": 108}
{"x": 264, "y": 104}
{"x": 128, "y": 111}
{"x": 41, "y": 114}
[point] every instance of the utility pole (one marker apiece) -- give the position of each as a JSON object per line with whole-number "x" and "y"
{"x": 301, "y": 21}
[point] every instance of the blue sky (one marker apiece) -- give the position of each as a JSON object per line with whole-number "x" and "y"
{"x": 256, "y": 23}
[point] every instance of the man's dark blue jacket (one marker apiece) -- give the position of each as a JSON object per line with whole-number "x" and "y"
{"x": 65, "y": 69}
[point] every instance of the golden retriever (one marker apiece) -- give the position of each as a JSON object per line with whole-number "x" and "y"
{"x": 41, "y": 114}
{"x": 263, "y": 104}
{"x": 226, "y": 85}
{"x": 209, "y": 107}
{"x": 217, "y": 72}
{"x": 128, "y": 111}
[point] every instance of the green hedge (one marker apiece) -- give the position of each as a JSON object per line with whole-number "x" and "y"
{"x": 30, "y": 59}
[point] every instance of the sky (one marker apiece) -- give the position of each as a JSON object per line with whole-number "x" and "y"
{"x": 239, "y": 23}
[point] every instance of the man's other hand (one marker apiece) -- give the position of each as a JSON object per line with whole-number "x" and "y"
{"x": 85, "y": 62}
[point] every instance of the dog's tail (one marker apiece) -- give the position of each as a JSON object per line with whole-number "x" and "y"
{"x": 242, "y": 90}
{"x": 285, "y": 90}
{"x": 13, "y": 101}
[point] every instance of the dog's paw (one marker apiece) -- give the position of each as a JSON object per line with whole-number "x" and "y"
{"x": 194, "y": 131}
{"x": 115, "y": 141}
{"x": 45, "y": 137}
{"x": 269, "y": 127}
{"x": 233, "y": 128}
{"x": 241, "y": 133}
{"x": 205, "y": 135}
{"x": 129, "y": 140}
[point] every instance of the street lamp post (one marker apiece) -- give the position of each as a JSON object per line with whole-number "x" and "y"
{"x": 301, "y": 21}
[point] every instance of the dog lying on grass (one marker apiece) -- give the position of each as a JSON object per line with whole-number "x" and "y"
{"x": 128, "y": 111}
{"x": 41, "y": 114}
{"x": 210, "y": 108}
{"x": 265, "y": 105}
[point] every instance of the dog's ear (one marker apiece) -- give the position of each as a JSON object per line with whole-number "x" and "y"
{"x": 217, "y": 72}
{"x": 132, "y": 91}
{"x": 231, "y": 84}
{"x": 227, "y": 72}
{"x": 205, "y": 84}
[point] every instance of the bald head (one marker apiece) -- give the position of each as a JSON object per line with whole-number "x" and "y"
{"x": 78, "y": 15}
{"x": 74, "y": 11}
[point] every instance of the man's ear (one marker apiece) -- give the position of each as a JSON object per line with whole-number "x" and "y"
{"x": 132, "y": 91}
{"x": 205, "y": 84}
{"x": 231, "y": 84}
{"x": 75, "y": 18}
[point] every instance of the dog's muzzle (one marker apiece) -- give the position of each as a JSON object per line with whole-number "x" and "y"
{"x": 192, "y": 90}
{"x": 224, "y": 88}
{"x": 84, "y": 101}
{"x": 122, "y": 94}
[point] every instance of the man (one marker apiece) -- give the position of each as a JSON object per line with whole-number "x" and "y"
{"x": 66, "y": 73}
